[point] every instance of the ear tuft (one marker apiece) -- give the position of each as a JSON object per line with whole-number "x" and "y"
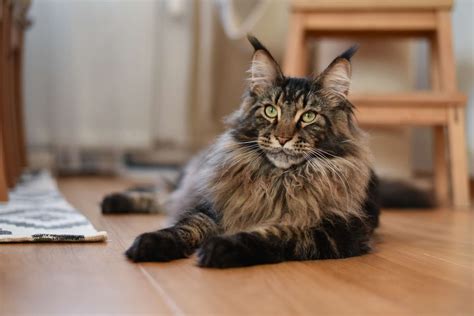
{"x": 255, "y": 43}
{"x": 264, "y": 71}
{"x": 350, "y": 52}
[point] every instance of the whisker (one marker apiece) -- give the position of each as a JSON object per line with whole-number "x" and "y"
{"x": 334, "y": 168}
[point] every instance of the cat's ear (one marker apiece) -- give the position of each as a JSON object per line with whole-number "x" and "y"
{"x": 264, "y": 71}
{"x": 337, "y": 76}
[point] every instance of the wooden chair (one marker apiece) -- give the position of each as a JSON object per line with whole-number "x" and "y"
{"x": 442, "y": 108}
{"x": 12, "y": 140}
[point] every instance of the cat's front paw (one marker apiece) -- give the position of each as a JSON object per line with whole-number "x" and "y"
{"x": 161, "y": 245}
{"x": 224, "y": 252}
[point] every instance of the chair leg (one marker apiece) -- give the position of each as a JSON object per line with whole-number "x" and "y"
{"x": 458, "y": 157}
{"x": 15, "y": 164}
{"x": 440, "y": 166}
{"x": 296, "y": 55}
{"x": 3, "y": 175}
{"x": 18, "y": 66}
{"x": 5, "y": 118}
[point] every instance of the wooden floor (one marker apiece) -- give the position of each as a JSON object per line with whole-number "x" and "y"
{"x": 423, "y": 265}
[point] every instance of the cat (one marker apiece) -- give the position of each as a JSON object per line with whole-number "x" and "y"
{"x": 290, "y": 179}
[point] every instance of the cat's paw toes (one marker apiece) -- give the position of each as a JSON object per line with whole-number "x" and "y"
{"x": 224, "y": 252}
{"x": 116, "y": 203}
{"x": 156, "y": 246}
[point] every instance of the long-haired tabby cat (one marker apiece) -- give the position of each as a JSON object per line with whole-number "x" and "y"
{"x": 290, "y": 179}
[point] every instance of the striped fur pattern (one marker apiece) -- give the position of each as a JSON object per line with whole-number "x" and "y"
{"x": 290, "y": 179}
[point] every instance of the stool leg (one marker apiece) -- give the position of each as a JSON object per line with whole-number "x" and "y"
{"x": 440, "y": 166}
{"x": 456, "y": 116}
{"x": 440, "y": 161}
{"x": 296, "y": 59}
{"x": 458, "y": 157}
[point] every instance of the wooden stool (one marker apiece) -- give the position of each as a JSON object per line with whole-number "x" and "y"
{"x": 442, "y": 108}
{"x": 12, "y": 140}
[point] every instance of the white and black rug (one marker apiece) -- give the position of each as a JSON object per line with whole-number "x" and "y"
{"x": 36, "y": 211}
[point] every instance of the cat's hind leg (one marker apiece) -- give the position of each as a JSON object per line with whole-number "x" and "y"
{"x": 178, "y": 241}
{"x": 135, "y": 200}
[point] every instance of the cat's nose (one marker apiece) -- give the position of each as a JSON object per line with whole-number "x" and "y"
{"x": 283, "y": 140}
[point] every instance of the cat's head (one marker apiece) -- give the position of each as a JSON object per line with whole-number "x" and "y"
{"x": 293, "y": 119}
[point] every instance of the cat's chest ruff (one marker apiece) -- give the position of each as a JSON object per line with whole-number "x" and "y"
{"x": 250, "y": 198}
{"x": 249, "y": 182}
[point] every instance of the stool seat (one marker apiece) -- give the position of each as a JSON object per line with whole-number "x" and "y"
{"x": 345, "y": 5}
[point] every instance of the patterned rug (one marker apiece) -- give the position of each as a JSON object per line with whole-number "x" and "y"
{"x": 36, "y": 211}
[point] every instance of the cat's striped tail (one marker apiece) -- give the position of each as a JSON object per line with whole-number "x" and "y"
{"x": 402, "y": 194}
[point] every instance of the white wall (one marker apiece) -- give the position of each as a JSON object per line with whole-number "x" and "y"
{"x": 89, "y": 73}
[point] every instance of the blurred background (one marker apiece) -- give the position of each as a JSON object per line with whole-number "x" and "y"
{"x": 129, "y": 87}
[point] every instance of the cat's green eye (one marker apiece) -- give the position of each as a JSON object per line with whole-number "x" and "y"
{"x": 271, "y": 111}
{"x": 308, "y": 117}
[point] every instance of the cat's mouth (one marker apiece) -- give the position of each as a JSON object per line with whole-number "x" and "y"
{"x": 284, "y": 158}
{"x": 284, "y": 151}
